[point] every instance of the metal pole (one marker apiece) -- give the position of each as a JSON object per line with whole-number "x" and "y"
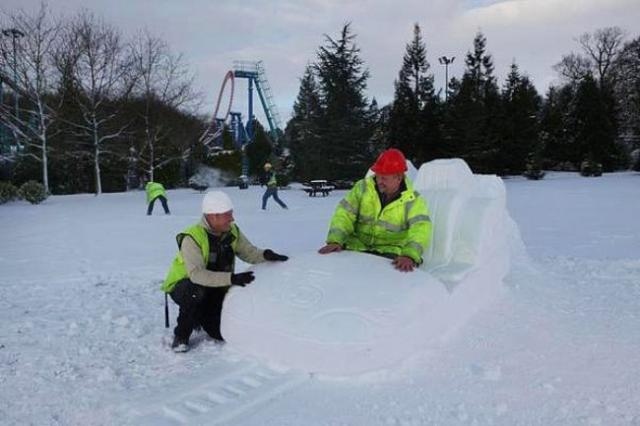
{"x": 446, "y": 61}
{"x": 250, "y": 118}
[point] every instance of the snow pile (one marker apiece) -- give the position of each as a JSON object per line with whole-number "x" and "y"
{"x": 349, "y": 313}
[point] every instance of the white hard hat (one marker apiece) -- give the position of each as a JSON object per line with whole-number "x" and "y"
{"x": 216, "y": 202}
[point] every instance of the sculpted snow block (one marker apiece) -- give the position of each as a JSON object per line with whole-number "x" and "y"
{"x": 350, "y": 313}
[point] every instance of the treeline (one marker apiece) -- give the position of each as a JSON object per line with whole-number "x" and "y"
{"x": 85, "y": 110}
{"x": 592, "y": 118}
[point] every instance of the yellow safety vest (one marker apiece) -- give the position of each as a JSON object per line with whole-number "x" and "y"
{"x": 178, "y": 270}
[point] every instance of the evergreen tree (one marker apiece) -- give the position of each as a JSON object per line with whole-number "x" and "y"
{"x": 559, "y": 151}
{"x": 474, "y": 116}
{"x": 413, "y": 114}
{"x": 380, "y": 119}
{"x": 259, "y": 150}
{"x": 521, "y": 105}
{"x": 229, "y": 159}
{"x": 344, "y": 128}
{"x": 302, "y": 130}
{"x": 594, "y": 130}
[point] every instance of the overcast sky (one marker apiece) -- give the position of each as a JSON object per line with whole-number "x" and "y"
{"x": 285, "y": 35}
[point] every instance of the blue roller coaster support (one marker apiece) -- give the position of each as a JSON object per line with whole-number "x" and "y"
{"x": 254, "y": 72}
{"x": 250, "y": 127}
{"x": 241, "y": 139}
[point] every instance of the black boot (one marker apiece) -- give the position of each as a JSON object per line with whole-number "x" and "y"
{"x": 180, "y": 344}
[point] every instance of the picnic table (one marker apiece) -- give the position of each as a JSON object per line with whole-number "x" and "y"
{"x": 320, "y": 186}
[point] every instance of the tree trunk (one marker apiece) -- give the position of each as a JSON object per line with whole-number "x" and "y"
{"x": 96, "y": 161}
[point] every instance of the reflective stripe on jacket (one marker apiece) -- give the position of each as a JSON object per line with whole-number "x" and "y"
{"x": 178, "y": 271}
{"x": 401, "y": 228}
{"x": 154, "y": 190}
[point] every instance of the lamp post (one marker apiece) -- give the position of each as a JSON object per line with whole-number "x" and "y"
{"x": 446, "y": 61}
{"x": 15, "y": 34}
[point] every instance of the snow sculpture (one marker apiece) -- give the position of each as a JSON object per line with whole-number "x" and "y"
{"x": 469, "y": 221}
{"x": 347, "y": 313}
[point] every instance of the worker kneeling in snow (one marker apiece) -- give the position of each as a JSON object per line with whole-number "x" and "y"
{"x": 383, "y": 215}
{"x": 203, "y": 269}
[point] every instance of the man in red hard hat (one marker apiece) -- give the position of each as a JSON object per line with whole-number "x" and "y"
{"x": 382, "y": 214}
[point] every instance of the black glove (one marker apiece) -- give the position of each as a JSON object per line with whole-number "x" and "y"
{"x": 273, "y": 256}
{"x": 242, "y": 279}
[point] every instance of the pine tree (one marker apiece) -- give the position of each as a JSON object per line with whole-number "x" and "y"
{"x": 302, "y": 130}
{"x": 559, "y": 149}
{"x": 344, "y": 127}
{"x": 259, "y": 150}
{"x": 380, "y": 120}
{"x": 474, "y": 116}
{"x": 521, "y": 106}
{"x": 412, "y": 120}
{"x": 594, "y": 130}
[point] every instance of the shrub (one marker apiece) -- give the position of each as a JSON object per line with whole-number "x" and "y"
{"x": 8, "y": 192}
{"x": 533, "y": 174}
{"x": 33, "y": 192}
{"x": 533, "y": 167}
{"x": 590, "y": 168}
{"x": 635, "y": 158}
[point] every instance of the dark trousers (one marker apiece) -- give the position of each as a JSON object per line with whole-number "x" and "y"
{"x": 163, "y": 200}
{"x": 200, "y": 306}
{"x": 272, "y": 192}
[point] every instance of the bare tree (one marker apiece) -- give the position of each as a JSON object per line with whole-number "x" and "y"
{"x": 99, "y": 65}
{"x": 163, "y": 81}
{"x": 573, "y": 67}
{"x": 600, "y": 50}
{"x": 35, "y": 80}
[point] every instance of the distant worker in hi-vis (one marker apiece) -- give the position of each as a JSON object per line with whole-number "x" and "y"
{"x": 155, "y": 191}
{"x": 269, "y": 179}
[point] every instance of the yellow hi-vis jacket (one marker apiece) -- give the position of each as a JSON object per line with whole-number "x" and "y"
{"x": 154, "y": 190}
{"x": 401, "y": 228}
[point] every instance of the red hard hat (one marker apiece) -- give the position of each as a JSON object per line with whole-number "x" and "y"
{"x": 390, "y": 162}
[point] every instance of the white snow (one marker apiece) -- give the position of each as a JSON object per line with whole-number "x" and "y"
{"x": 83, "y": 342}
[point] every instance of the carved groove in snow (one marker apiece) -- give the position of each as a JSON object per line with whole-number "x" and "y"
{"x": 220, "y": 400}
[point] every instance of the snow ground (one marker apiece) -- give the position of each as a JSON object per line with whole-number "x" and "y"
{"x": 83, "y": 339}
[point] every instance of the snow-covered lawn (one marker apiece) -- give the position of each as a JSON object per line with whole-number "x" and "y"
{"x": 83, "y": 339}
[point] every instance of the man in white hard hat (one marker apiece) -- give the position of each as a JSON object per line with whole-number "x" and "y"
{"x": 203, "y": 269}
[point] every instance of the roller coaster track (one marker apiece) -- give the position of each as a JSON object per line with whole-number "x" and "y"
{"x": 255, "y": 73}
{"x": 215, "y": 130}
